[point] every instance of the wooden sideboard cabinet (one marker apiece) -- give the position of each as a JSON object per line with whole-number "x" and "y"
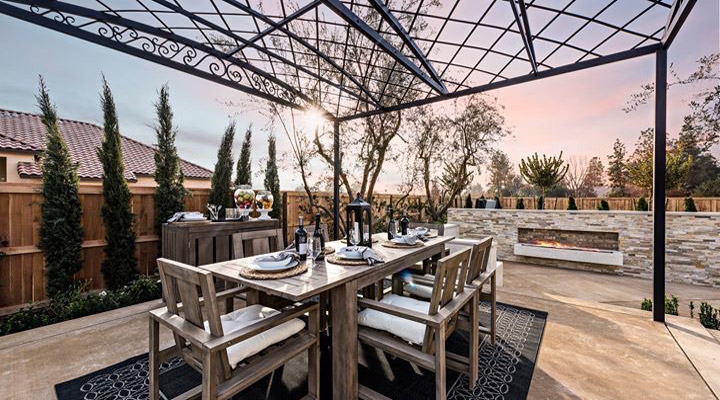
{"x": 206, "y": 242}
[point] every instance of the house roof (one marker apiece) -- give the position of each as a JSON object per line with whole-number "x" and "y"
{"x": 20, "y": 131}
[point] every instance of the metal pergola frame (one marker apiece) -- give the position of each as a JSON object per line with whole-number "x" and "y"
{"x": 266, "y": 59}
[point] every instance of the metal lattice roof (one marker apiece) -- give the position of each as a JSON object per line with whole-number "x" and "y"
{"x": 354, "y": 58}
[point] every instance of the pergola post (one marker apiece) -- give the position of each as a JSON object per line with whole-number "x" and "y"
{"x": 336, "y": 179}
{"x": 658, "y": 209}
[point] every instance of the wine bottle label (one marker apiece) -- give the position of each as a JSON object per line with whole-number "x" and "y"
{"x": 303, "y": 248}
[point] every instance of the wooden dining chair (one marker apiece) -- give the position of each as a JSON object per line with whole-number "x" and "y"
{"x": 479, "y": 275}
{"x": 260, "y": 242}
{"x": 416, "y": 330}
{"x": 234, "y": 350}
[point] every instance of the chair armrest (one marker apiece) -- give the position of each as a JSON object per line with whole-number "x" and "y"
{"x": 480, "y": 280}
{"x": 412, "y": 315}
{"x": 229, "y": 292}
{"x": 190, "y": 332}
{"x": 457, "y": 303}
{"x": 235, "y": 337}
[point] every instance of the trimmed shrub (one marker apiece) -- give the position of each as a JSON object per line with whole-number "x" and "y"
{"x": 709, "y": 316}
{"x": 690, "y": 205}
{"x": 61, "y": 232}
{"x": 498, "y": 206}
{"x": 520, "y": 205}
{"x": 468, "y": 201}
{"x": 541, "y": 203}
{"x": 671, "y": 305}
{"x": 571, "y": 204}
{"x": 603, "y": 206}
{"x": 642, "y": 205}
{"x": 243, "y": 172}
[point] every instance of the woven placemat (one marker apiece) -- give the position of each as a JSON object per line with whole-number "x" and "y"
{"x": 394, "y": 245}
{"x": 334, "y": 259}
{"x": 328, "y": 250}
{"x": 375, "y": 240}
{"x": 250, "y": 273}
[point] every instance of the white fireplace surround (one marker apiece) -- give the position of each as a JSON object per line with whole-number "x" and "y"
{"x": 604, "y": 257}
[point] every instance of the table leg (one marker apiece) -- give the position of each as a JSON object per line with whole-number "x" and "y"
{"x": 344, "y": 341}
{"x": 154, "y": 360}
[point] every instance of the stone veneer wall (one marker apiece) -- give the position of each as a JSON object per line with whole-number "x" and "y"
{"x": 692, "y": 239}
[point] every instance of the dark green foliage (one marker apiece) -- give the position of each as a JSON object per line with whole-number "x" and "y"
{"x": 544, "y": 173}
{"x": 710, "y": 188}
{"x": 571, "y": 204}
{"x": 76, "y": 303}
{"x": 481, "y": 202}
{"x": 119, "y": 266}
{"x": 617, "y": 169}
{"x": 642, "y": 205}
{"x": 61, "y": 232}
{"x": 603, "y": 206}
{"x": 170, "y": 192}
{"x": 497, "y": 203}
{"x": 220, "y": 186}
{"x": 671, "y": 305}
{"x": 541, "y": 203}
{"x": 468, "y": 201}
{"x": 243, "y": 174}
{"x": 272, "y": 180}
{"x": 520, "y": 205}
{"x": 690, "y": 205}
{"x": 692, "y": 309}
{"x": 709, "y": 316}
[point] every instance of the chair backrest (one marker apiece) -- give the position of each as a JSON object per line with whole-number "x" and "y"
{"x": 311, "y": 229}
{"x": 182, "y": 283}
{"x": 450, "y": 278}
{"x": 480, "y": 255}
{"x": 261, "y": 242}
{"x": 440, "y": 228}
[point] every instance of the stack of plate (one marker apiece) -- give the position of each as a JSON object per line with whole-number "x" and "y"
{"x": 351, "y": 252}
{"x": 271, "y": 264}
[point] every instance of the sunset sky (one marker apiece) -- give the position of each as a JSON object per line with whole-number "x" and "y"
{"x": 579, "y": 113}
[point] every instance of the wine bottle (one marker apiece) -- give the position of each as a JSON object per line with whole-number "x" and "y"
{"x": 392, "y": 229}
{"x": 301, "y": 240}
{"x": 404, "y": 223}
{"x": 318, "y": 234}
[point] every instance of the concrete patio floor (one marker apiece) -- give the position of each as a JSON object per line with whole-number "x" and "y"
{"x": 593, "y": 347}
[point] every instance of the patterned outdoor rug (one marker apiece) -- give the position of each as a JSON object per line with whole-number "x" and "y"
{"x": 505, "y": 370}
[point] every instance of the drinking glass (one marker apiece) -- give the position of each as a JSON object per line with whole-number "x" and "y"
{"x": 353, "y": 237}
{"x": 315, "y": 248}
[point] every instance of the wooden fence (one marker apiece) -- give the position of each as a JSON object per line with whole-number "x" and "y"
{"x": 21, "y": 269}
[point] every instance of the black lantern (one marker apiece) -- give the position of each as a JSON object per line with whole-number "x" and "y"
{"x": 357, "y": 214}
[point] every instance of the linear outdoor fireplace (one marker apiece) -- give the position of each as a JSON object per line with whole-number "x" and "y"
{"x": 592, "y": 247}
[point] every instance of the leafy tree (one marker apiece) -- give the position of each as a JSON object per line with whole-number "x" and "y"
{"x": 690, "y": 205}
{"x": 119, "y": 266}
{"x": 617, "y": 170}
{"x": 272, "y": 180}
{"x": 520, "y": 205}
{"x": 468, "y": 201}
{"x": 642, "y": 205}
{"x": 61, "y": 232}
{"x": 544, "y": 173}
{"x": 593, "y": 178}
{"x": 571, "y": 204}
{"x": 709, "y": 189}
{"x": 500, "y": 169}
{"x": 170, "y": 192}
{"x": 220, "y": 184}
{"x": 603, "y": 206}
{"x": 243, "y": 175}
{"x": 640, "y": 164}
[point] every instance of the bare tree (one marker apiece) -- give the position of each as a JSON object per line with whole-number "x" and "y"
{"x": 576, "y": 174}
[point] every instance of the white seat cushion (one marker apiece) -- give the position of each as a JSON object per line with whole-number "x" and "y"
{"x": 411, "y": 331}
{"x": 417, "y": 290}
{"x": 247, "y": 316}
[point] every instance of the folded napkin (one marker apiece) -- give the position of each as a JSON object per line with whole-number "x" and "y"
{"x": 409, "y": 239}
{"x": 279, "y": 256}
{"x": 181, "y": 215}
{"x": 370, "y": 255}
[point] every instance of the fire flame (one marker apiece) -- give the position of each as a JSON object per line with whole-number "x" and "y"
{"x": 560, "y": 245}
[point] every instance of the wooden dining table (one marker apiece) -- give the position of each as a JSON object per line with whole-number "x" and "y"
{"x": 341, "y": 283}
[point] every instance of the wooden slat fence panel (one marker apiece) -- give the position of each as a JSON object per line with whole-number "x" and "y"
{"x": 22, "y": 268}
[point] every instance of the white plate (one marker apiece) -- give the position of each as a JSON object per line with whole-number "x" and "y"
{"x": 276, "y": 268}
{"x": 189, "y": 218}
{"x": 349, "y": 253}
{"x": 267, "y": 262}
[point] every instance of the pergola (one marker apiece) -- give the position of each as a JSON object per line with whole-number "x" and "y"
{"x": 303, "y": 54}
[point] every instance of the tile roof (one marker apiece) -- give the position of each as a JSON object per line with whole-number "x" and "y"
{"x": 26, "y": 132}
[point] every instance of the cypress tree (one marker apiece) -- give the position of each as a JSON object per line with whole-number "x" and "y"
{"x": 243, "y": 175}
{"x": 170, "y": 192}
{"x": 272, "y": 180}
{"x": 603, "y": 206}
{"x": 571, "y": 204}
{"x": 119, "y": 266}
{"x": 690, "y": 205}
{"x": 220, "y": 185}
{"x": 61, "y": 232}
{"x": 642, "y": 205}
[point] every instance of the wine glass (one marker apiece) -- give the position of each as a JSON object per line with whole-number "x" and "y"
{"x": 315, "y": 248}
{"x": 353, "y": 237}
